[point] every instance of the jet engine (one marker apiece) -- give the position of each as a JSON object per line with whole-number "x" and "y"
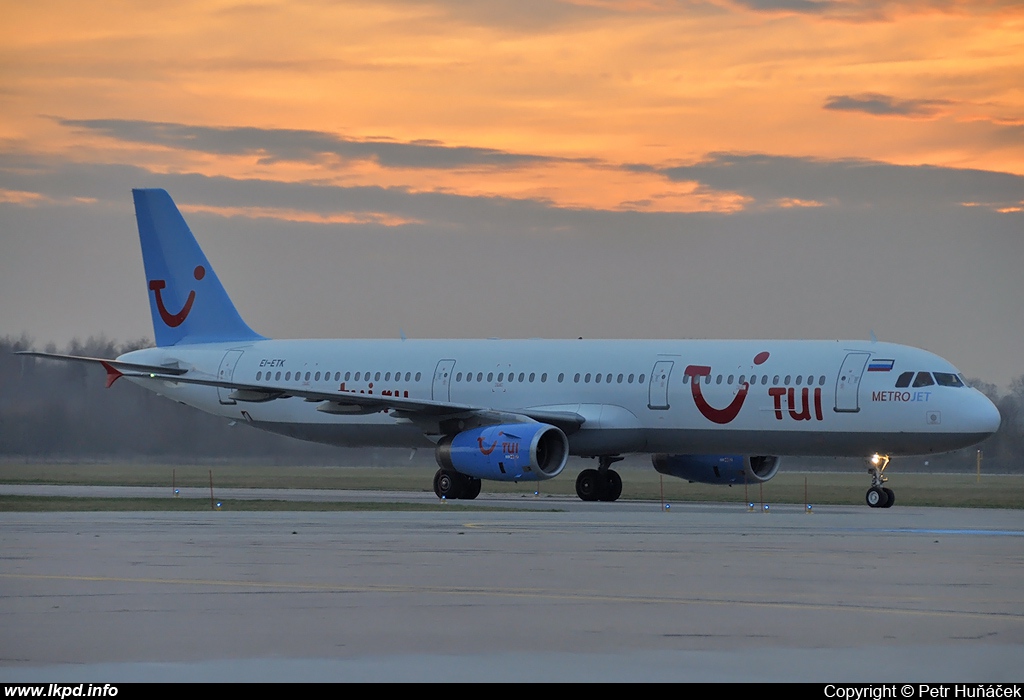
{"x": 718, "y": 469}
{"x": 511, "y": 452}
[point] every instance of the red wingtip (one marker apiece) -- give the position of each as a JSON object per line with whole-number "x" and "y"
{"x": 112, "y": 373}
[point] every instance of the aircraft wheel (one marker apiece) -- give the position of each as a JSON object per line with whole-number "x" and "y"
{"x": 891, "y": 495}
{"x": 613, "y": 486}
{"x": 471, "y": 488}
{"x": 447, "y": 485}
{"x": 588, "y": 485}
{"x": 876, "y": 497}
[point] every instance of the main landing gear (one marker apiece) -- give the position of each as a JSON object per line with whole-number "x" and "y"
{"x": 879, "y": 496}
{"x": 450, "y": 485}
{"x": 601, "y": 484}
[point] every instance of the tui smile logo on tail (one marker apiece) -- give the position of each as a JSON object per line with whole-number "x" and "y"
{"x": 175, "y": 320}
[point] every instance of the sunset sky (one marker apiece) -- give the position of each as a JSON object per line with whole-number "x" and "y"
{"x": 747, "y": 168}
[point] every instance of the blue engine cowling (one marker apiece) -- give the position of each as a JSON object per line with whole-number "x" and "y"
{"x": 512, "y": 452}
{"x": 718, "y": 469}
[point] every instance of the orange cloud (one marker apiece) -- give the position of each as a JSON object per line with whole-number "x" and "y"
{"x": 653, "y": 83}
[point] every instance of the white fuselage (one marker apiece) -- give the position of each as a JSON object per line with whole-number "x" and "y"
{"x": 675, "y": 396}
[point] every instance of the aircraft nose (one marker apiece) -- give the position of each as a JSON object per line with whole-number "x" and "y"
{"x": 985, "y": 416}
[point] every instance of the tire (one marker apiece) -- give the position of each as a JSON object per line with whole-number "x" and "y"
{"x": 876, "y": 497}
{"x": 447, "y": 485}
{"x": 892, "y": 497}
{"x": 613, "y": 486}
{"x": 471, "y": 489}
{"x": 588, "y": 485}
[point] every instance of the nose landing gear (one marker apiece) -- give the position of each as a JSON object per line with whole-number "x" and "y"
{"x": 879, "y": 496}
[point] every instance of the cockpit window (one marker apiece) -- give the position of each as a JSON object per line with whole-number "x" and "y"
{"x": 947, "y": 379}
{"x": 923, "y": 379}
{"x": 904, "y": 381}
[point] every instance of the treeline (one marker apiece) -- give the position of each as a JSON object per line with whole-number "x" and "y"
{"x": 61, "y": 410}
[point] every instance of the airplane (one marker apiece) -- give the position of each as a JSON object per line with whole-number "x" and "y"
{"x": 711, "y": 411}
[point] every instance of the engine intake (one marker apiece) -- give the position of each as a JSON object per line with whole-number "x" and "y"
{"x": 718, "y": 469}
{"x": 510, "y": 452}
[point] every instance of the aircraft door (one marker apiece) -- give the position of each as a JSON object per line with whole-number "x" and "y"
{"x": 227, "y": 373}
{"x": 441, "y": 388}
{"x": 848, "y": 382}
{"x": 658, "y": 389}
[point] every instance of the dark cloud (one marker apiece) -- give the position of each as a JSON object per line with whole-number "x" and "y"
{"x": 801, "y": 6}
{"x": 849, "y": 182}
{"x": 919, "y": 271}
{"x": 883, "y": 105}
{"x": 272, "y": 145}
{"x": 519, "y": 16}
{"x": 62, "y": 182}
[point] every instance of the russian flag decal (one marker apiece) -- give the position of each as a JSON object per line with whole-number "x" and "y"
{"x": 881, "y": 365}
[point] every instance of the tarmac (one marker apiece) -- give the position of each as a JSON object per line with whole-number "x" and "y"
{"x": 558, "y": 590}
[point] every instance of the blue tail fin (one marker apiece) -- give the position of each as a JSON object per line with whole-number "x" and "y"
{"x": 188, "y": 302}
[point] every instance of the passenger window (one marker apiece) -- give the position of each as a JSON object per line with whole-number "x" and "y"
{"x": 923, "y": 379}
{"x": 259, "y": 375}
{"x": 287, "y": 376}
{"x": 501, "y": 375}
{"x": 718, "y": 379}
{"x": 544, "y": 378}
{"x": 418, "y": 375}
{"x": 387, "y": 377}
{"x": 277, "y": 377}
{"x": 586, "y": 379}
{"x": 533, "y": 376}
{"x": 490, "y": 376}
{"x": 597, "y": 379}
{"x": 576, "y": 378}
{"x": 619, "y": 379}
{"x": 629, "y": 379}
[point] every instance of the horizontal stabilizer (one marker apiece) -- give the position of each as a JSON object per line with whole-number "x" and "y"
{"x": 116, "y": 364}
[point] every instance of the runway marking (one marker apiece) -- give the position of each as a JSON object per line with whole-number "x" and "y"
{"x": 524, "y": 593}
{"x": 927, "y": 531}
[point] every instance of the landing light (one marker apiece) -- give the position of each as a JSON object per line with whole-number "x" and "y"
{"x": 876, "y": 459}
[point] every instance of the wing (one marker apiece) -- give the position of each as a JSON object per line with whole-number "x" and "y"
{"x": 433, "y": 417}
